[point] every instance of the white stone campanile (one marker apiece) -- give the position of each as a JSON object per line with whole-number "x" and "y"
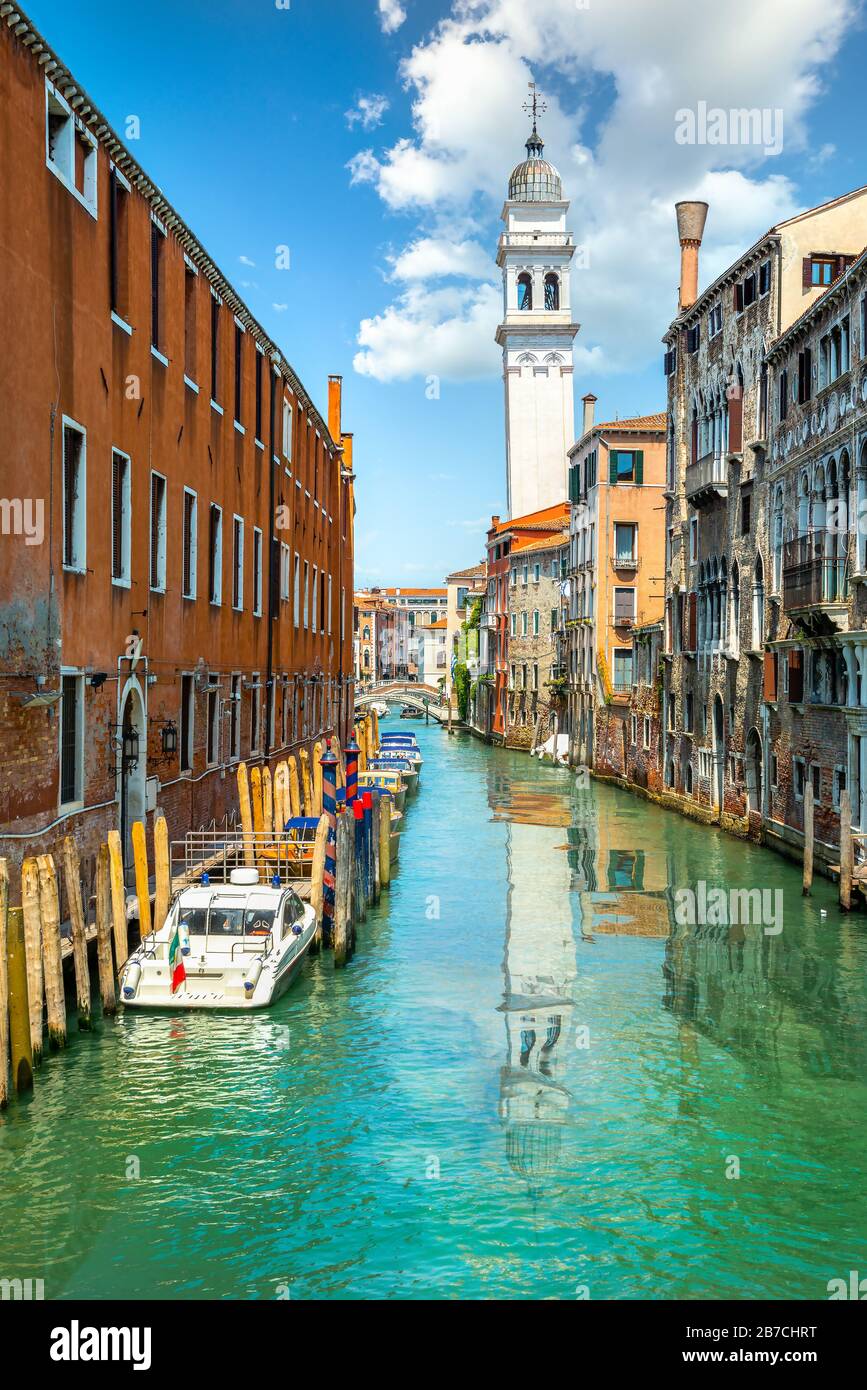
{"x": 535, "y": 254}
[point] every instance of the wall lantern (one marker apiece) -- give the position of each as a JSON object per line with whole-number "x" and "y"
{"x": 169, "y": 736}
{"x": 130, "y": 747}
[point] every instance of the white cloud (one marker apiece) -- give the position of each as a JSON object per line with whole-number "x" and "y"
{"x": 623, "y": 173}
{"x": 363, "y": 167}
{"x": 245, "y": 260}
{"x": 446, "y": 333}
{"x": 368, "y": 113}
{"x": 391, "y": 15}
{"x": 280, "y": 308}
{"x": 430, "y": 258}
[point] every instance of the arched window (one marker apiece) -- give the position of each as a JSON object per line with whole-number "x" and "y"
{"x": 366, "y": 637}
{"x": 777, "y": 577}
{"x": 525, "y": 290}
{"x": 735, "y": 610}
{"x": 758, "y": 605}
{"x": 860, "y": 520}
{"x": 552, "y": 291}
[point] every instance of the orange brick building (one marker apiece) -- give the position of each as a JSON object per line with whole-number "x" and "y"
{"x": 176, "y": 557}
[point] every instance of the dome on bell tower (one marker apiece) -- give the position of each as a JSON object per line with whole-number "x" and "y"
{"x": 534, "y": 180}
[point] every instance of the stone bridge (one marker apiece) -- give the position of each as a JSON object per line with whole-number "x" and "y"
{"x": 423, "y": 697}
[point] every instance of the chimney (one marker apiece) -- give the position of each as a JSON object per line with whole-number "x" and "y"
{"x": 347, "y": 452}
{"x": 691, "y": 218}
{"x": 335, "y": 407}
{"x": 589, "y": 411}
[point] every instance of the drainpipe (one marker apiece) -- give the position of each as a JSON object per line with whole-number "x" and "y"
{"x": 269, "y": 664}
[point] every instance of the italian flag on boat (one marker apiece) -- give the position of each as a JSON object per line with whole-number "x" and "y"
{"x": 176, "y": 960}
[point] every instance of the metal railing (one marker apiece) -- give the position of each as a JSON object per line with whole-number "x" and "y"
{"x": 217, "y": 853}
{"x": 709, "y": 472}
{"x": 810, "y": 577}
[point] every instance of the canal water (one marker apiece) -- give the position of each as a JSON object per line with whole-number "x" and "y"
{"x": 534, "y": 1080}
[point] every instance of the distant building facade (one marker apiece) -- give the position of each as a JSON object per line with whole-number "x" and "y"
{"x": 616, "y": 575}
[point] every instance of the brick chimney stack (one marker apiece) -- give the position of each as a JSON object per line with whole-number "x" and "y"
{"x": 691, "y": 218}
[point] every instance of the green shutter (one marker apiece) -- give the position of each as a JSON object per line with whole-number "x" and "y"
{"x": 639, "y": 465}
{"x": 612, "y": 467}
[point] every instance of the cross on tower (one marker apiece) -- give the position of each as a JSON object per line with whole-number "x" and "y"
{"x": 535, "y": 107}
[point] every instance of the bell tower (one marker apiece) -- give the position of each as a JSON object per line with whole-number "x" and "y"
{"x": 537, "y": 333}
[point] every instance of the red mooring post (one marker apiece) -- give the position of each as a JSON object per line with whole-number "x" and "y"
{"x": 328, "y": 763}
{"x": 352, "y": 750}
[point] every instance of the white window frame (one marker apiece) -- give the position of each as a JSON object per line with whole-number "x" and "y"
{"x": 307, "y": 595}
{"x": 257, "y": 572}
{"x": 287, "y": 429}
{"x": 296, "y": 582}
{"x": 255, "y": 709}
{"x": 157, "y": 581}
{"x": 194, "y": 543}
{"x": 237, "y": 563}
{"x": 64, "y": 170}
{"x": 212, "y": 730}
{"x": 72, "y": 673}
{"x": 285, "y": 572}
{"x": 124, "y": 579}
{"x": 79, "y": 518}
{"x": 215, "y": 556}
{"x": 236, "y": 686}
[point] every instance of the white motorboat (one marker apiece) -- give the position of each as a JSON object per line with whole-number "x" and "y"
{"x": 237, "y": 944}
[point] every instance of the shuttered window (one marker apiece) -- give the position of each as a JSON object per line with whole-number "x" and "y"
{"x": 736, "y": 423}
{"x": 796, "y": 676}
{"x": 120, "y": 518}
{"x": 692, "y": 623}
{"x": 187, "y": 713}
{"x": 70, "y": 739}
{"x": 158, "y": 532}
{"x": 189, "y": 543}
{"x": 73, "y": 498}
{"x": 237, "y": 562}
{"x": 215, "y": 554}
{"x": 769, "y": 687}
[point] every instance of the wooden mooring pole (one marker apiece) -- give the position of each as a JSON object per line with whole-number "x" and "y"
{"x": 142, "y": 878}
{"x": 375, "y": 822}
{"x": 103, "y": 931}
{"x": 52, "y": 959}
{"x": 33, "y": 954}
{"x": 847, "y": 850}
{"x": 72, "y": 879}
{"x": 808, "y": 839}
{"x": 118, "y": 901}
{"x": 317, "y": 879}
{"x": 162, "y": 872}
{"x": 4, "y": 986}
{"x": 384, "y": 841}
{"x": 19, "y": 1005}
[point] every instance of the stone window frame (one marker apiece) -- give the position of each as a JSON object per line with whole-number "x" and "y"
{"x": 799, "y": 763}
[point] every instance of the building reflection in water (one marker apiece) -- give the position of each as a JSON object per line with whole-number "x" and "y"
{"x": 582, "y": 864}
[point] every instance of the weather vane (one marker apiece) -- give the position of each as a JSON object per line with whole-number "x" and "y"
{"x": 535, "y": 107}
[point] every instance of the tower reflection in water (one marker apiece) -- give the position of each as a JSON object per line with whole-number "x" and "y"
{"x": 539, "y": 967}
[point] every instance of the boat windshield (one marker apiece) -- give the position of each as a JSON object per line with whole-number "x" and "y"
{"x": 195, "y": 919}
{"x": 221, "y": 920}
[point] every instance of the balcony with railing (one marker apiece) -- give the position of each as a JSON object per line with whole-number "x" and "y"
{"x": 814, "y": 580}
{"x": 707, "y": 480}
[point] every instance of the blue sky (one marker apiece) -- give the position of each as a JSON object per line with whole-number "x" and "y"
{"x": 375, "y": 139}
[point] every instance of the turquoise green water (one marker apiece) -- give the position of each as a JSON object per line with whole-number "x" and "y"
{"x": 530, "y": 1081}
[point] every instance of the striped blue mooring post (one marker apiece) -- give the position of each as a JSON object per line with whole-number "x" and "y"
{"x": 352, "y": 751}
{"x": 328, "y": 763}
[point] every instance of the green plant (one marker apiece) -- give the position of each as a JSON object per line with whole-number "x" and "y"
{"x": 461, "y": 682}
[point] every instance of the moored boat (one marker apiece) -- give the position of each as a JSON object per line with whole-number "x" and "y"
{"x": 410, "y": 772}
{"x": 234, "y": 944}
{"x": 385, "y": 780}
